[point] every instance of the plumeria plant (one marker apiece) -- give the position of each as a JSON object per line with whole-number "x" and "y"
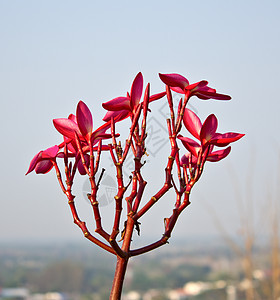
{"x": 82, "y": 148}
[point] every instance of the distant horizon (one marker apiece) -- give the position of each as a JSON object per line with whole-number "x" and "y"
{"x": 176, "y": 240}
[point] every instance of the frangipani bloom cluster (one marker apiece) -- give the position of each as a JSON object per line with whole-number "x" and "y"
{"x": 82, "y": 147}
{"x": 42, "y": 162}
{"x": 80, "y": 127}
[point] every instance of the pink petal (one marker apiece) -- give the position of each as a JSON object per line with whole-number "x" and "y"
{"x": 117, "y": 115}
{"x": 66, "y": 140}
{"x": 43, "y": 167}
{"x": 190, "y": 145}
{"x": 218, "y": 155}
{"x": 73, "y": 118}
{"x": 99, "y": 133}
{"x": 136, "y": 90}
{"x": 84, "y": 119}
{"x": 197, "y": 85}
{"x": 192, "y": 123}
{"x": 208, "y": 129}
{"x": 33, "y": 162}
{"x": 67, "y": 127}
{"x": 205, "y": 88}
{"x": 177, "y": 90}
{"x": 117, "y": 104}
{"x": 222, "y": 140}
{"x": 157, "y": 96}
{"x": 103, "y": 127}
{"x": 185, "y": 160}
{"x": 62, "y": 155}
{"x": 72, "y": 147}
{"x": 50, "y": 152}
{"x": 174, "y": 80}
{"x": 212, "y": 95}
{"x": 80, "y": 165}
{"x": 96, "y": 138}
{"x": 198, "y": 95}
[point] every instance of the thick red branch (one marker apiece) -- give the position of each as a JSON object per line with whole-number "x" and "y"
{"x": 150, "y": 247}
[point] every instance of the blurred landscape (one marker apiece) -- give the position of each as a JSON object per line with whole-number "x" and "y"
{"x": 192, "y": 269}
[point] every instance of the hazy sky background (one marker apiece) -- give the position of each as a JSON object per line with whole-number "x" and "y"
{"x": 54, "y": 53}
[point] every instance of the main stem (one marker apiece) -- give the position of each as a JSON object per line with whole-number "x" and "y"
{"x": 120, "y": 271}
{"x": 122, "y": 262}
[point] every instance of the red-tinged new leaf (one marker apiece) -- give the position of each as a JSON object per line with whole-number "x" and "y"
{"x": 43, "y": 167}
{"x": 208, "y": 129}
{"x": 174, "y": 80}
{"x": 218, "y": 155}
{"x": 84, "y": 120}
{"x": 136, "y": 90}
{"x": 192, "y": 123}
{"x": 190, "y": 145}
{"x": 117, "y": 104}
{"x": 67, "y": 127}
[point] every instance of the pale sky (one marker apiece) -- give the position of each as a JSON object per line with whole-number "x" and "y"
{"x": 55, "y": 53}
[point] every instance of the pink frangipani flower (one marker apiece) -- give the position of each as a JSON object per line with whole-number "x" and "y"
{"x": 84, "y": 120}
{"x": 208, "y": 137}
{"x": 42, "y": 162}
{"x": 206, "y": 132}
{"x": 82, "y": 125}
{"x": 180, "y": 84}
{"x": 121, "y": 108}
